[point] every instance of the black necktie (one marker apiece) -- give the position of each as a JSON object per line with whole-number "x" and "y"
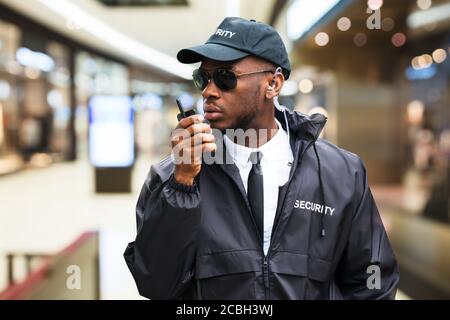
{"x": 255, "y": 192}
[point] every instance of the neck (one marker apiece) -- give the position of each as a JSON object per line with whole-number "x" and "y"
{"x": 256, "y": 135}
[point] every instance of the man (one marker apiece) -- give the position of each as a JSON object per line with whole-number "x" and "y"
{"x": 290, "y": 216}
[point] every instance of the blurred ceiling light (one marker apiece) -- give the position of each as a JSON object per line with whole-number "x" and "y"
{"x": 55, "y": 99}
{"x": 72, "y": 24}
{"x": 415, "y": 63}
{"x": 303, "y": 14}
{"x": 387, "y": 24}
{"x": 439, "y": 55}
{"x": 344, "y": 24}
{"x": 422, "y": 62}
{"x": 322, "y": 39}
{"x": 127, "y": 45}
{"x": 415, "y": 111}
{"x": 13, "y": 67}
{"x": 375, "y": 4}
{"x": 424, "y": 4}
{"x": 36, "y": 60}
{"x": 32, "y": 73}
{"x": 419, "y": 62}
{"x": 306, "y": 86}
{"x": 426, "y": 60}
{"x": 290, "y": 88}
{"x": 421, "y": 18}
{"x": 5, "y": 90}
{"x": 360, "y": 39}
{"x": 398, "y": 39}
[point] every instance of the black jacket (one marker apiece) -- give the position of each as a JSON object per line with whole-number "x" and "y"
{"x": 200, "y": 242}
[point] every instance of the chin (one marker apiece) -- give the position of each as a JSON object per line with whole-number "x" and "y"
{"x": 219, "y": 124}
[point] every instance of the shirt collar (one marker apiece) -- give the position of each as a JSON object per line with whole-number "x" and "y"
{"x": 239, "y": 153}
{"x": 270, "y": 150}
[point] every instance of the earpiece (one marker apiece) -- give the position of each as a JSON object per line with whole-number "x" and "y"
{"x": 278, "y": 70}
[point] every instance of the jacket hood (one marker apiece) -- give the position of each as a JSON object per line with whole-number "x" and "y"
{"x": 308, "y": 128}
{"x": 302, "y": 125}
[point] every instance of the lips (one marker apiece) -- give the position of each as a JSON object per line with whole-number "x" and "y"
{"x": 212, "y": 112}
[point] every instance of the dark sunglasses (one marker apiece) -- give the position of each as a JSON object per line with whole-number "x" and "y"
{"x": 225, "y": 79}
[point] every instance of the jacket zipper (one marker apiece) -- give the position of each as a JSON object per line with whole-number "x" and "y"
{"x": 265, "y": 266}
{"x": 265, "y": 261}
{"x": 266, "y": 257}
{"x": 266, "y": 277}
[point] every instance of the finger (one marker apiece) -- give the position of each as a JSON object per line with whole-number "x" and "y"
{"x": 195, "y": 153}
{"x": 201, "y": 138}
{"x": 178, "y": 135}
{"x": 205, "y": 147}
{"x": 186, "y": 154}
{"x": 186, "y": 122}
{"x": 209, "y": 147}
{"x": 198, "y": 128}
{"x": 183, "y": 136}
{"x": 194, "y": 128}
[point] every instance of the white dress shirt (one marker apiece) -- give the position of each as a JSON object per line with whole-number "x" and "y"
{"x": 276, "y": 164}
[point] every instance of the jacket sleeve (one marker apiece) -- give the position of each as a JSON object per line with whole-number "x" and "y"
{"x": 368, "y": 268}
{"x": 162, "y": 257}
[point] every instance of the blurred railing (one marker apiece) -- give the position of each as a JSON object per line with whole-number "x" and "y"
{"x": 422, "y": 250}
{"x": 72, "y": 273}
{"x": 11, "y": 259}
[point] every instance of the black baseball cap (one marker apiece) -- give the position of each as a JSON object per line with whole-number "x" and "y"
{"x": 236, "y": 38}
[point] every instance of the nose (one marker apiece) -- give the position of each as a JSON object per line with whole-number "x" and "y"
{"x": 211, "y": 91}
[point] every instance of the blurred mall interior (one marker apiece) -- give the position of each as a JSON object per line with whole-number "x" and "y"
{"x": 379, "y": 70}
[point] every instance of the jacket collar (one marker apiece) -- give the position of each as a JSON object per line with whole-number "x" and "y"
{"x": 301, "y": 125}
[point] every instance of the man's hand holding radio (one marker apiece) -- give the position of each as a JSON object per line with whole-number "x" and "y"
{"x": 189, "y": 140}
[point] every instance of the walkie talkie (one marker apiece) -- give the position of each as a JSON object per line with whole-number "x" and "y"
{"x": 184, "y": 113}
{"x": 187, "y": 113}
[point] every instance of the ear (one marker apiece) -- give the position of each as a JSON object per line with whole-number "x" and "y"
{"x": 274, "y": 86}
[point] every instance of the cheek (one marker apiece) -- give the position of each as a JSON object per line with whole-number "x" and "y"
{"x": 240, "y": 101}
{"x": 230, "y": 104}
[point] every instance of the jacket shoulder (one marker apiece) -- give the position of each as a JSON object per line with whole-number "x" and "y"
{"x": 160, "y": 172}
{"x": 339, "y": 158}
{"x": 345, "y": 170}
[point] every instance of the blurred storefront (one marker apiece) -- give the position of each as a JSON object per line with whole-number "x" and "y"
{"x": 95, "y": 75}
{"x": 383, "y": 77}
{"x": 46, "y": 81}
{"x": 9, "y": 111}
{"x": 154, "y": 99}
{"x": 380, "y": 70}
{"x": 35, "y": 82}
